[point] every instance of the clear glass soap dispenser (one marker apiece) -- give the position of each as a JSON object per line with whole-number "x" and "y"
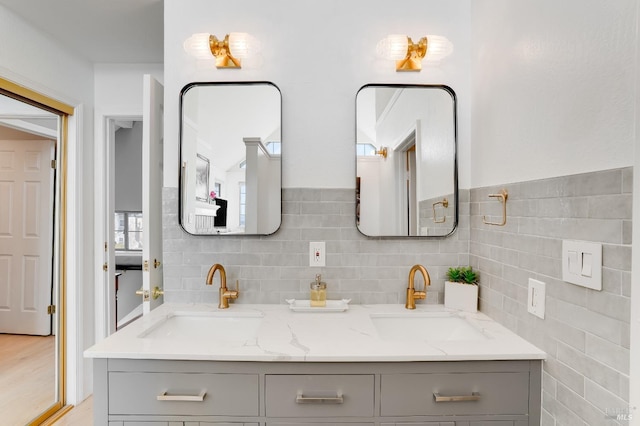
{"x": 318, "y": 292}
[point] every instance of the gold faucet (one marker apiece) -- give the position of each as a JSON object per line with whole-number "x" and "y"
{"x": 412, "y": 294}
{"x": 225, "y": 293}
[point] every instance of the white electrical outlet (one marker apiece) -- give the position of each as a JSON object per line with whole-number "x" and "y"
{"x": 317, "y": 254}
{"x": 535, "y": 298}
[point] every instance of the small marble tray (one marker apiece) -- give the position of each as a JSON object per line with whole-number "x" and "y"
{"x": 305, "y": 306}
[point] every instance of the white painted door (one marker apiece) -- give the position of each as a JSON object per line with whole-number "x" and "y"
{"x": 152, "y": 141}
{"x": 109, "y": 253}
{"x": 26, "y": 218}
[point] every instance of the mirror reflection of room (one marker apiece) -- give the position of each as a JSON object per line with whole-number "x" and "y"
{"x": 28, "y": 373}
{"x": 230, "y": 159}
{"x": 406, "y": 168}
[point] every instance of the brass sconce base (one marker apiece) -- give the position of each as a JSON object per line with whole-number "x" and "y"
{"x": 382, "y": 152}
{"x": 409, "y": 64}
{"x": 227, "y": 61}
{"x": 220, "y": 49}
{"x": 415, "y": 54}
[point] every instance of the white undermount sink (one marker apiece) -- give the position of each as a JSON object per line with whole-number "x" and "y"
{"x": 432, "y": 327}
{"x": 206, "y": 326}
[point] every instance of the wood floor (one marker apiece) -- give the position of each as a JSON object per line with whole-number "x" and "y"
{"x": 82, "y": 415}
{"x": 27, "y": 377}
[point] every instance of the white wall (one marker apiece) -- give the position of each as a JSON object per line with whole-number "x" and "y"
{"x": 118, "y": 87}
{"x": 33, "y": 59}
{"x": 128, "y": 168}
{"x": 319, "y": 62}
{"x": 553, "y": 91}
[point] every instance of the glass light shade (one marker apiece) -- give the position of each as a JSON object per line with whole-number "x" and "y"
{"x": 393, "y": 47}
{"x": 438, "y": 47}
{"x": 242, "y": 45}
{"x": 198, "y": 46}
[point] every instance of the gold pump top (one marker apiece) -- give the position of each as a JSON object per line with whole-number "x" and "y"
{"x": 318, "y": 284}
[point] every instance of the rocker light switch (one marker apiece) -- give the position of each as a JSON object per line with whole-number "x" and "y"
{"x": 574, "y": 264}
{"x": 582, "y": 263}
{"x": 536, "y": 298}
{"x": 587, "y": 258}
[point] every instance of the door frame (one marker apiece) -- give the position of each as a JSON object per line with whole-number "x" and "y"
{"x": 60, "y": 231}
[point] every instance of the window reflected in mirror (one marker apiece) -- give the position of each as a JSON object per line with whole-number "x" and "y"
{"x": 230, "y": 158}
{"x": 128, "y": 231}
{"x": 406, "y": 175}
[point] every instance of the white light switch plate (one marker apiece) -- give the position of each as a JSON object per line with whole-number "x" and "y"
{"x": 582, "y": 263}
{"x": 536, "y": 298}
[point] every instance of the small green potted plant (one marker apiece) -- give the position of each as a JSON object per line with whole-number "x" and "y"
{"x": 461, "y": 289}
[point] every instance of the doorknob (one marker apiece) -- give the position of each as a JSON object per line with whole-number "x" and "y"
{"x": 156, "y": 263}
{"x": 144, "y": 294}
{"x": 156, "y": 292}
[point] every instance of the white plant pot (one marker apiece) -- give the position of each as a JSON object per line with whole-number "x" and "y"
{"x": 461, "y": 296}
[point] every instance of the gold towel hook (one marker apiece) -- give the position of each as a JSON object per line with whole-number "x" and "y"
{"x": 445, "y": 204}
{"x": 503, "y": 199}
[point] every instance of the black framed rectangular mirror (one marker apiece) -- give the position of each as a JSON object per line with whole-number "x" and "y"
{"x": 230, "y": 158}
{"x": 406, "y": 167}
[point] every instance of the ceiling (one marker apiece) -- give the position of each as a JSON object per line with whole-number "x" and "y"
{"x": 102, "y": 31}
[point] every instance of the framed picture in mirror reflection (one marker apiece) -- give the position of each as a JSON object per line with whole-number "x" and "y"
{"x": 202, "y": 178}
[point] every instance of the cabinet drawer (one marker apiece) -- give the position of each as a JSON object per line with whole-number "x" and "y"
{"x": 492, "y": 393}
{"x": 224, "y": 394}
{"x": 297, "y": 423}
{"x": 319, "y": 395}
{"x": 423, "y": 424}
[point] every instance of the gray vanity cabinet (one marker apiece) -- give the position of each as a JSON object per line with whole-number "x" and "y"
{"x": 208, "y": 393}
{"x": 181, "y": 424}
{"x": 462, "y": 423}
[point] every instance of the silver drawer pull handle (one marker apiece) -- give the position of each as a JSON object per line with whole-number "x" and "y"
{"x": 188, "y": 398}
{"x": 301, "y": 399}
{"x": 475, "y": 396}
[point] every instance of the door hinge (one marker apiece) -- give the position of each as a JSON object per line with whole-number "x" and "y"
{"x": 146, "y": 265}
{"x": 51, "y": 309}
{"x": 53, "y": 164}
{"x": 105, "y": 267}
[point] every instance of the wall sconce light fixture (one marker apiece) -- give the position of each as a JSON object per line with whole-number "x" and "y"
{"x": 408, "y": 55}
{"x": 228, "y": 52}
{"x": 382, "y": 152}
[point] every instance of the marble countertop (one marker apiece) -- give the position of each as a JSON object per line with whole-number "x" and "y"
{"x": 287, "y": 336}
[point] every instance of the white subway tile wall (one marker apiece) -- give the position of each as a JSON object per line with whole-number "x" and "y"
{"x": 273, "y": 268}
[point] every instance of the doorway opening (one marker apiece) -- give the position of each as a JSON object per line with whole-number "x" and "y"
{"x": 134, "y": 247}
{"x": 123, "y": 229}
{"x": 406, "y": 184}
